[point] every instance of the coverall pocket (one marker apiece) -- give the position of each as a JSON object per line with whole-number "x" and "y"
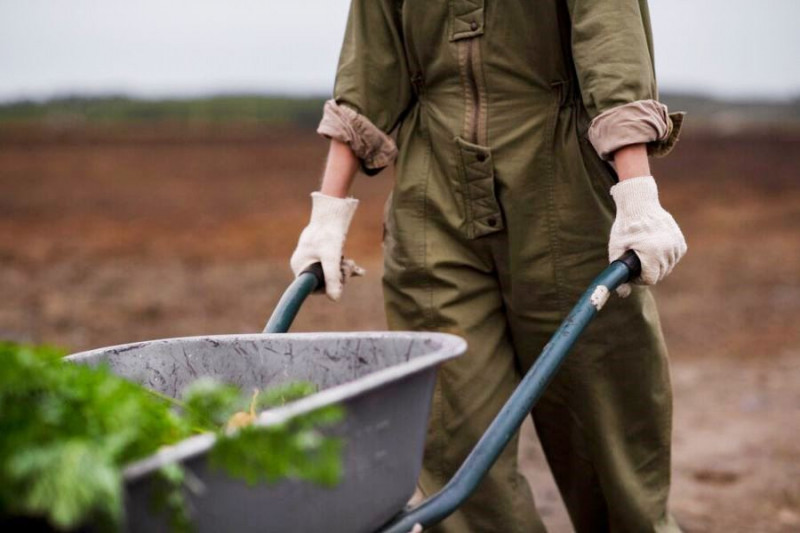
{"x": 475, "y": 189}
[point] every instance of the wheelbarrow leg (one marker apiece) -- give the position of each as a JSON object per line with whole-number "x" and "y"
{"x": 519, "y": 405}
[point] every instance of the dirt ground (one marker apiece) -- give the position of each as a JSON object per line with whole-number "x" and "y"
{"x": 111, "y": 236}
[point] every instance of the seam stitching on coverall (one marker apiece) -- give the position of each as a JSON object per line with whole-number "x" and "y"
{"x": 483, "y": 95}
{"x": 429, "y": 316}
{"x": 584, "y": 435}
{"x": 461, "y": 51}
{"x": 555, "y": 249}
{"x": 463, "y": 55}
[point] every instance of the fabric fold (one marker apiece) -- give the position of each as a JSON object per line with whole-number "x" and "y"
{"x": 644, "y": 121}
{"x": 372, "y": 146}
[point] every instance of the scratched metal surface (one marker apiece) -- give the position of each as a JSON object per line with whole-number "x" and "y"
{"x": 383, "y": 380}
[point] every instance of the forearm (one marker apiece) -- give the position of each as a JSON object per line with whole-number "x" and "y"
{"x": 641, "y": 224}
{"x": 631, "y": 161}
{"x": 340, "y": 170}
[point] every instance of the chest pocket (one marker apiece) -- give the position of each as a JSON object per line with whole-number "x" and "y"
{"x": 467, "y": 19}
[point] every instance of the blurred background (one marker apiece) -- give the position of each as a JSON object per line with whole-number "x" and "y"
{"x": 156, "y": 160}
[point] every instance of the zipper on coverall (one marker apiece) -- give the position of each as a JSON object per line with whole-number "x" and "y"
{"x": 474, "y": 99}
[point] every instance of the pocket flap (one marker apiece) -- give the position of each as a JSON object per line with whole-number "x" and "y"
{"x": 466, "y": 19}
{"x": 476, "y": 169}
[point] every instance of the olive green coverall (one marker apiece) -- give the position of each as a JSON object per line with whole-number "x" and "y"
{"x": 504, "y": 113}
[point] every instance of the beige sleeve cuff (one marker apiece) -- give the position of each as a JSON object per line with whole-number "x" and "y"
{"x": 371, "y": 145}
{"x": 645, "y": 121}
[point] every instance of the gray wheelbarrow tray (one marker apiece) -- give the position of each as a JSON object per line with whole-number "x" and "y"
{"x": 384, "y": 381}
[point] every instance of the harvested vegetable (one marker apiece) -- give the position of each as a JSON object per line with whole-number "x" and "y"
{"x": 68, "y": 431}
{"x": 243, "y": 419}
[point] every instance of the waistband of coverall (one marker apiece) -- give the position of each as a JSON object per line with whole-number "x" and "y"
{"x": 450, "y": 92}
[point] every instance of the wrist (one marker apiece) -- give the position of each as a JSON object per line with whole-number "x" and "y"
{"x": 631, "y": 162}
{"x": 333, "y": 190}
{"x": 636, "y": 196}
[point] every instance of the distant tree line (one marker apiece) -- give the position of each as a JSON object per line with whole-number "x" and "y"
{"x": 306, "y": 111}
{"x": 242, "y": 109}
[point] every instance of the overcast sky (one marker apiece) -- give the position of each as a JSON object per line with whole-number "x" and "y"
{"x": 729, "y": 48}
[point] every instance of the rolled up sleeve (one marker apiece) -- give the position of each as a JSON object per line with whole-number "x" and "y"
{"x": 613, "y": 52}
{"x": 373, "y": 88}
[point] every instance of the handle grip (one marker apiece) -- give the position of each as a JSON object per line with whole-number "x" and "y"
{"x": 634, "y": 264}
{"x": 316, "y": 271}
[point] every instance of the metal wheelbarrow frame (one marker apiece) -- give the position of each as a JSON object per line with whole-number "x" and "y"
{"x": 256, "y": 358}
{"x": 518, "y": 406}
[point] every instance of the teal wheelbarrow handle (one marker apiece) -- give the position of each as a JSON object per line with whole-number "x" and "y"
{"x": 312, "y": 279}
{"x": 517, "y": 408}
{"x": 519, "y": 405}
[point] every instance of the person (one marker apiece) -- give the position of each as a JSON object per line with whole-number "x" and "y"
{"x": 520, "y": 135}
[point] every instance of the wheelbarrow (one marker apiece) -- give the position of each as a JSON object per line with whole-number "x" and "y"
{"x": 384, "y": 382}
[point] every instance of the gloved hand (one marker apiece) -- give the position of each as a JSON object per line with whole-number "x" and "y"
{"x": 643, "y": 226}
{"x": 323, "y": 240}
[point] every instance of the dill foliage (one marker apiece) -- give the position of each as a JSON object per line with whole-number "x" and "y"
{"x": 67, "y": 431}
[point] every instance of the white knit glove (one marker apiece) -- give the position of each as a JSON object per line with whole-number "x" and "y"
{"x": 323, "y": 240}
{"x": 643, "y": 226}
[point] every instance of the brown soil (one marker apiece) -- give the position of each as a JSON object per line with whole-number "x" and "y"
{"x": 110, "y": 238}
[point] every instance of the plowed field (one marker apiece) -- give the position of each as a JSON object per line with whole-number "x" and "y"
{"x": 116, "y": 235}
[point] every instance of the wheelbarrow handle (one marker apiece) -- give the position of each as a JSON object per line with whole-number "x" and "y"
{"x": 310, "y": 280}
{"x": 634, "y": 264}
{"x": 519, "y": 405}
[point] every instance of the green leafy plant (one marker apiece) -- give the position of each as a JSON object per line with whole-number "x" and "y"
{"x": 68, "y": 431}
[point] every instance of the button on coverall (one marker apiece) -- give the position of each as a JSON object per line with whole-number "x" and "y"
{"x": 504, "y": 114}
